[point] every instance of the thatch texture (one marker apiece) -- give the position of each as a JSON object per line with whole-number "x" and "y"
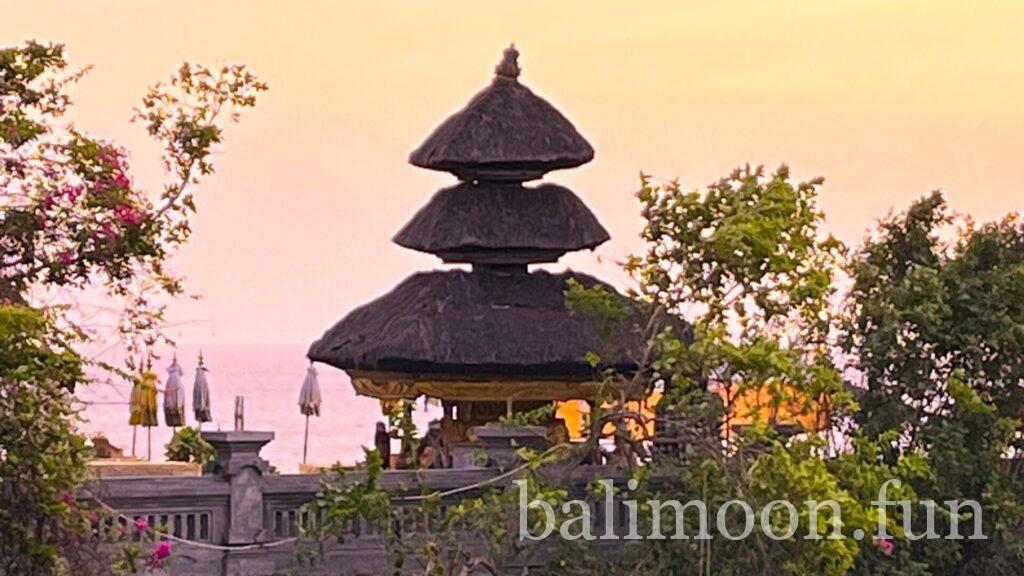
{"x": 502, "y": 222}
{"x": 506, "y": 132}
{"x": 477, "y": 325}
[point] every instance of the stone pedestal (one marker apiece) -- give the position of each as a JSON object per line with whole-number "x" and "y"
{"x": 238, "y": 461}
{"x": 502, "y": 443}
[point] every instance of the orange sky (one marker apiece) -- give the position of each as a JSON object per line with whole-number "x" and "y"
{"x": 887, "y": 100}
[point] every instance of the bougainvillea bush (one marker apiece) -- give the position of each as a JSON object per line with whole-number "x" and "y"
{"x": 73, "y": 219}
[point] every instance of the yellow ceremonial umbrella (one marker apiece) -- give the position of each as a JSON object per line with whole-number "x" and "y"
{"x": 144, "y": 408}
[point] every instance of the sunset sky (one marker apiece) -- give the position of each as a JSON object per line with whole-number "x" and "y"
{"x": 887, "y": 100}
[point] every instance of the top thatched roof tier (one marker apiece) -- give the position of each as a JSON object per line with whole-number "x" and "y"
{"x": 502, "y": 223}
{"x": 479, "y": 326}
{"x": 506, "y": 132}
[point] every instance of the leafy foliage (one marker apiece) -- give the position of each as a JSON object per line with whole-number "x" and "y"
{"x": 41, "y": 458}
{"x": 534, "y": 417}
{"x": 345, "y": 508}
{"x": 188, "y": 446}
{"x": 745, "y": 261}
{"x": 936, "y": 332}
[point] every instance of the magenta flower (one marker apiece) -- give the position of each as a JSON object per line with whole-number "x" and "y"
{"x": 160, "y": 553}
{"x": 107, "y": 230}
{"x": 886, "y": 546}
{"x": 65, "y": 258}
{"x": 141, "y": 524}
{"x": 72, "y": 192}
{"x": 127, "y": 214}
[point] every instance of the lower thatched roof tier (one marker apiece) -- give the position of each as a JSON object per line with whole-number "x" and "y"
{"x": 482, "y": 325}
{"x": 502, "y": 223}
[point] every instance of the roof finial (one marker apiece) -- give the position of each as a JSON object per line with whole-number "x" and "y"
{"x": 509, "y": 65}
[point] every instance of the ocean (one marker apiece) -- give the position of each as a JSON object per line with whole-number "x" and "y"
{"x": 269, "y": 377}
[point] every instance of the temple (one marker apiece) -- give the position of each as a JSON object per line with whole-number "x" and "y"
{"x": 497, "y": 338}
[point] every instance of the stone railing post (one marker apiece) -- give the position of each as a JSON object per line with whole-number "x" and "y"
{"x": 238, "y": 460}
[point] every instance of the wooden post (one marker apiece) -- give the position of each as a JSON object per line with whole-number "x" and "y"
{"x": 239, "y": 413}
{"x": 305, "y": 440}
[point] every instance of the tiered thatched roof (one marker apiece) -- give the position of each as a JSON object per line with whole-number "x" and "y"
{"x": 506, "y": 132}
{"x": 502, "y": 222}
{"x": 497, "y": 322}
{"x": 478, "y": 324}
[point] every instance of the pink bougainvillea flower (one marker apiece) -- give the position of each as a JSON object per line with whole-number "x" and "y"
{"x": 127, "y": 214}
{"x": 65, "y": 497}
{"x": 72, "y": 192}
{"x": 141, "y": 524}
{"x": 48, "y": 202}
{"x": 107, "y": 230}
{"x": 886, "y": 546}
{"x": 160, "y": 553}
{"x": 65, "y": 258}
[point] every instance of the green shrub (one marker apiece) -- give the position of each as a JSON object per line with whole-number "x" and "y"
{"x": 188, "y": 446}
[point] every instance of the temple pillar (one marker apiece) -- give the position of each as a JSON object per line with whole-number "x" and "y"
{"x": 238, "y": 461}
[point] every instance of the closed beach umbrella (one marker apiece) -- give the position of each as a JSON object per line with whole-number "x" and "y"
{"x": 174, "y": 396}
{"x": 201, "y": 394}
{"x": 309, "y": 403}
{"x": 143, "y": 407}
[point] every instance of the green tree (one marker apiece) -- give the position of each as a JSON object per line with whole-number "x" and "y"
{"x": 746, "y": 264}
{"x": 936, "y": 332}
{"x": 41, "y": 457}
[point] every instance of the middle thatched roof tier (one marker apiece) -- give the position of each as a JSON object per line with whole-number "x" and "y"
{"x": 480, "y": 325}
{"x": 502, "y": 223}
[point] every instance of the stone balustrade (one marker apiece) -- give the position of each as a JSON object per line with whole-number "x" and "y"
{"x": 237, "y": 504}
